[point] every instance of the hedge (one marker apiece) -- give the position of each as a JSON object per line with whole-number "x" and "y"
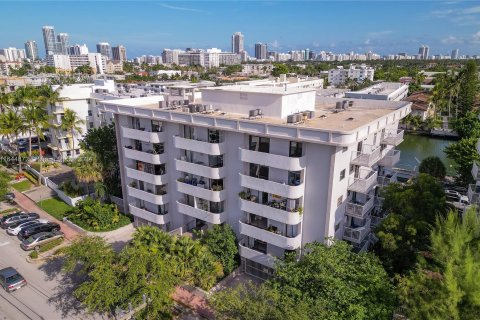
{"x": 50, "y": 245}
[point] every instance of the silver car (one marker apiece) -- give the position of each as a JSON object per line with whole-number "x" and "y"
{"x": 13, "y": 230}
{"x": 37, "y": 240}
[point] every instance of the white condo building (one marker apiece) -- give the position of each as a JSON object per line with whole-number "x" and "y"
{"x": 340, "y": 75}
{"x": 392, "y": 91}
{"x": 279, "y": 165}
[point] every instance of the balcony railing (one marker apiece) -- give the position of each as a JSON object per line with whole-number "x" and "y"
{"x": 273, "y": 160}
{"x": 288, "y": 243}
{"x": 200, "y": 146}
{"x": 366, "y": 181}
{"x": 393, "y": 138}
{"x": 386, "y": 179}
{"x": 147, "y": 136}
{"x": 148, "y": 196}
{"x": 145, "y": 156}
{"x": 390, "y": 158}
{"x": 476, "y": 171}
{"x": 359, "y": 209}
{"x": 200, "y": 169}
{"x": 214, "y": 194}
{"x": 271, "y": 212}
{"x": 367, "y": 157}
{"x": 210, "y": 217}
{"x": 473, "y": 194}
{"x": 281, "y": 189}
{"x": 357, "y": 234}
{"x": 147, "y": 177}
{"x": 251, "y": 253}
{"x": 154, "y": 217}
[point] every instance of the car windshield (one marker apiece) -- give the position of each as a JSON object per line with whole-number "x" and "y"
{"x": 29, "y": 240}
{"x": 14, "y": 279}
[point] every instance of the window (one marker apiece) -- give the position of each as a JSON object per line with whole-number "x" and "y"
{"x": 295, "y": 149}
{"x": 77, "y": 151}
{"x": 294, "y": 178}
{"x": 258, "y": 171}
{"x": 69, "y": 153}
{"x": 259, "y": 144}
{"x": 342, "y": 174}
{"x": 89, "y": 113}
{"x": 91, "y": 125}
{"x": 339, "y": 201}
{"x": 157, "y": 126}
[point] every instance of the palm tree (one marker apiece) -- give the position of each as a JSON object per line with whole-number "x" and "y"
{"x": 11, "y": 126}
{"x": 40, "y": 123}
{"x": 88, "y": 169}
{"x": 73, "y": 125}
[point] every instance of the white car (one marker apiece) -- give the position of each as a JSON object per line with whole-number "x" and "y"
{"x": 13, "y": 230}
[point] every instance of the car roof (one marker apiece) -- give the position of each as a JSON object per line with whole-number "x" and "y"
{"x": 8, "y": 272}
{"x": 38, "y": 235}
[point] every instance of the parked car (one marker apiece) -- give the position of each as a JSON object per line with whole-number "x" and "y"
{"x": 42, "y": 227}
{"x": 11, "y": 280}
{"x": 18, "y": 218}
{"x": 10, "y": 215}
{"x": 34, "y": 242}
{"x": 452, "y": 195}
{"x": 10, "y": 196}
{"x": 14, "y": 229}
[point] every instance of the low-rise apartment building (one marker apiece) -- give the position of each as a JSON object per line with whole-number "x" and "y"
{"x": 281, "y": 165}
{"x": 391, "y": 91}
{"x": 359, "y": 73}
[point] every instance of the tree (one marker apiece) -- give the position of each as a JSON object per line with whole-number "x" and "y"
{"x": 11, "y": 126}
{"x": 468, "y": 88}
{"x": 279, "y": 69}
{"x": 4, "y": 183}
{"x": 72, "y": 124}
{"x": 336, "y": 283}
{"x": 87, "y": 168}
{"x": 260, "y": 302}
{"x": 467, "y": 126}
{"x": 94, "y": 214}
{"x": 221, "y": 242}
{"x": 446, "y": 283}
{"x": 434, "y": 167}
{"x": 464, "y": 153}
{"x": 85, "y": 69}
{"x": 412, "y": 211}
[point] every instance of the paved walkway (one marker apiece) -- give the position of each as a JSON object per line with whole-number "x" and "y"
{"x": 40, "y": 193}
{"x": 193, "y": 301}
{"x": 30, "y": 206}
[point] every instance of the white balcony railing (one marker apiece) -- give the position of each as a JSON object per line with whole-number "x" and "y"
{"x": 269, "y": 212}
{"x": 147, "y": 196}
{"x": 271, "y": 237}
{"x": 393, "y": 138}
{"x": 145, "y": 156}
{"x": 201, "y": 192}
{"x": 256, "y": 256}
{"x": 280, "y": 189}
{"x": 215, "y": 218}
{"x": 273, "y": 160}
{"x": 476, "y": 171}
{"x": 357, "y": 234}
{"x": 147, "y": 177}
{"x": 473, "y": 194}
{"x": 200, "y": 146}
{"x": 367, "y": 157}
{"x": 390, "y": 158}
{"x": 147, "y": 136}
{"x": 359, "y": 209}
{"x": 387, "y": 178}
{"x": 200, "y": 169}
{"x": 148, "y": 215}
{"x": 366, "y": 181}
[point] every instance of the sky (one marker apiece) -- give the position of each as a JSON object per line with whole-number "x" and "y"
{"x": 146, "y": 27}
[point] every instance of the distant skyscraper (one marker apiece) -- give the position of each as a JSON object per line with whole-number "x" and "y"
{"x": 424, "y": 52}
{"x": 105, "y": 49}
{"x": 260, "y": 51}
{"x": 238, "y": 42}
{"x": 77, "y": 50}
{"x": 307, "y": 54}
{"x": 455, "y": 53}
{"x": 49, "y": 40}
{"x": 62, "y": 43}
{"x": 119, "y": 53}
{"x": 31, "y": 50}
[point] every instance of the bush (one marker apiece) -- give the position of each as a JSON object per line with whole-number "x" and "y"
{"x": 222, "y": 243}
{"x": 71, "y": 189}
{"x": 93, "y": 215}
{"x": 434, "y": 167}
{"x": 33, "y": 255}
{"x": 50, "y": 245}
{"x": 30, "y": 177}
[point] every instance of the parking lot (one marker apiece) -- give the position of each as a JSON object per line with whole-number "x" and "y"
{"x": 48, "y": 293}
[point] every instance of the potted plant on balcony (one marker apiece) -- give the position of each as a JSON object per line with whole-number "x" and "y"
{"x": 243, "y": 195}
{"x": 300, "y": 210}
{"x": 181, "y": 180}
{"x": 217, "y": 187}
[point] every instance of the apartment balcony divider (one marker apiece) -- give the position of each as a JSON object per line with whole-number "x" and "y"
{"x": 254, "y": 255}
{"x": 272, "y": 160}
{"x": 147, "y": 177}
{"x": 215, "y": 149}
{"x": 476, "y": 171}
{"x": 210, "y": 217}
{"x": 200, "y": 169}
{"x": 277, "y": 188}
{"x": 148, "y": 215}
{"x": 359, "y": 209}
{"x": 393, "y": 138}
{"x": 266, "y": 211}
{"x": 201, "y": 192}
{"x": 390, "y": 158}
{"x": 357, "y": 234}
{"x": 288, "y": 243}
{"x": 364, "y": 183}
{"x": 142, "y": 135}
{"x": 367, "y": 157}
{"x": 474, "y": 194}
{"x": 147, "y": 196}
{"x": 145, "y": 156}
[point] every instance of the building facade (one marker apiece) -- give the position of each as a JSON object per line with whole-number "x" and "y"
{"x": 49, "y": 40}
{"x": 31, "y": 50}
{"x": 119, "y": 53}
{"x": 360, "y": 73}
{"x": 260, "y": 51}
{"x": 238, "y": 44}
{"x": 105, "y": 49}
{"x": 13, "y": 54}
{"x": 282, "y": 168}
{"x": 62, "y": 43}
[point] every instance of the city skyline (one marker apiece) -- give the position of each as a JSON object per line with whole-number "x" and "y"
{"x": 389, "y": 28}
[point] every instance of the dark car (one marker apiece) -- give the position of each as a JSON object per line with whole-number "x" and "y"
{"x": 18, "y": 218}
{"x": 10, "y": 196}
{"x": 11, "y": 280}
{"x": 44, "y": 227}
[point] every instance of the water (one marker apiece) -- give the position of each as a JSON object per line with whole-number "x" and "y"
{"x": 415, "y": 148}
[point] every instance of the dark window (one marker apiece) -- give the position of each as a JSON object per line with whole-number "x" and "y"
{"x": 259, "y": 144}
{"x": 157, "y": 126}
{"x": 258, "y": 171}
{"x": 295, "y": 149}
{"x": 339, "y": 201}
{"x": 342, "y": 174}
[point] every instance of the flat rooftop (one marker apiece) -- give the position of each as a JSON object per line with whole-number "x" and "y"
{"x": 382, "y": 88}
{"x": 280, "y": 90}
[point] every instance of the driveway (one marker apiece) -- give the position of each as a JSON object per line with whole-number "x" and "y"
{"x": 48, "y": 293}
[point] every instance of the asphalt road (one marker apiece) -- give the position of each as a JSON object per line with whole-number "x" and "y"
{"x": 48, "y": 293}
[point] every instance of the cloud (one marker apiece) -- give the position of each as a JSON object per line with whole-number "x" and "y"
{"x": 274, "y": 44}
{"x": 451, "y": 40}
{"x": 475, "y": 38}
{"x": 459, "y": 16}
{"x": 167, "y": 6}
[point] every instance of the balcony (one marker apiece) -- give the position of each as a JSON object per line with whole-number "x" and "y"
{"x": 393, "y": 138}
{"x": 390, "y": 158}
{"x": 364, "y": 183}
{"x": 147, "y": 196}
{"x": 270, "y": 212}
{"x": 200, "y": 169}
{"x": 256, "y": 256}
{"x": 271, "y": 237}
{"x": 147, "y": 136}
{"x": 476, "y": 171}
{"x": 357, "y": 234}
{"x": 201, "y": 192}
{"x": 147, "y": 177}
{"x": 215, "y": 149}
{"x": 280, "y": 189}
{"x": 215, "y": 218}
{"x": 145, "y": 156}
{"x": 150, "y": 216}
{"x": 387, "y": 178}
{"x": 473, "y": 193}
{"x": 367, "y": 157}
{"x": 359, "y": 209}
{"x": 273, "y": 160}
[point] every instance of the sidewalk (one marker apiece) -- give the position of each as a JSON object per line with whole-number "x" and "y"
{"x": 28, "y": 205}
{"x": 193, "y": 301}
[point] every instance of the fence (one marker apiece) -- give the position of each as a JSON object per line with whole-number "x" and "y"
{"x": 68, "y": 200}
{"x": 35, "y": 173}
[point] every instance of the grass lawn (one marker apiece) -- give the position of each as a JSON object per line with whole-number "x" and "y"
{"x": 22, "y": 186}
{"x": 55, "y": 207}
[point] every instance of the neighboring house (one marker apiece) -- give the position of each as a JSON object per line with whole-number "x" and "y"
{"x": 421, "y": 105}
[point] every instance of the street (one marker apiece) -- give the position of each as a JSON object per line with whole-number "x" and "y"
{"x": 48, "y": 293}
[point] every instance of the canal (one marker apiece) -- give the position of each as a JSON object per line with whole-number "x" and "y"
{"x": 415, "y": 148}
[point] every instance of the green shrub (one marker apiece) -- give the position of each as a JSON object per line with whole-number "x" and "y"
{"x": 33, "y": 255}
{"x": 93, "y": 215}
{"x": 71, "y": 189}
{"x": 30, "y": 177}
{"x": 50, "y": 245}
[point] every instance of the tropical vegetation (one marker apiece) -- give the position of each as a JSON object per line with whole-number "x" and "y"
{"x": 222, "y": 243}
{"x": 434, "y": 167}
